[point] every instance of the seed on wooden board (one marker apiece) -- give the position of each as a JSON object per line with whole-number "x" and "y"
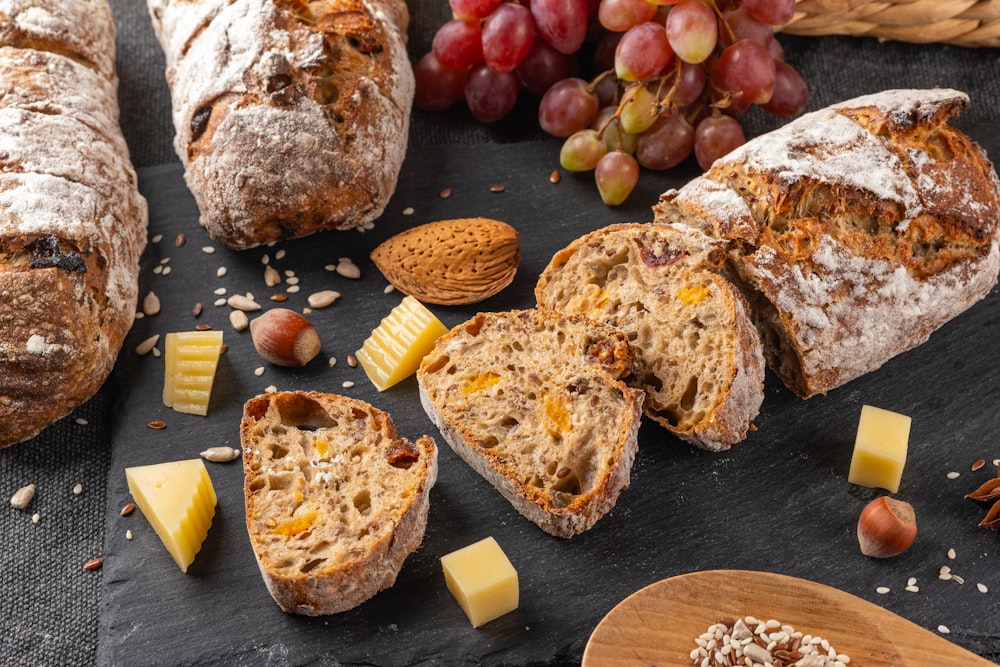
{"x": 180, "y": 240}
{"x": 497, "y": 188}
{"x": 151, "y": 304}
{"x": 271, "y": 276}
{"x": 147, "y": 345}
{"x": 78, "y": 489}
{"x": 208, "y": 250}
{"x": 408, "y": 210}
{"x": 978, "y": 464}
{"x": 128, "y": 534}
{"x": 203, "y": 327}
{"x": 35, "y": 518}
{"x": 954, "y": 475}
{"x": 445, "y": 193}
{"x": 323, "y": 298}
{"x": 93, "y": 564}
{"x": 279, "y": 297}
{"x": 196, "y": 309}
{"x": 157, "y": 425}
{"x": 127, "y": 509}
{"x": 220, "y": 272}
{"x": 555, "y": 177}
{"x": 352, "y": 361}
{"x": 348, "y": 269}
{"x": 23, "y": 497}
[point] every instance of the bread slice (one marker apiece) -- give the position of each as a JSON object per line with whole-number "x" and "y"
{"x": 699, "y": 355}
{"x": 534, "y": 401}
{"x": 335, "y": 499}
{"x": 857, "y": 231}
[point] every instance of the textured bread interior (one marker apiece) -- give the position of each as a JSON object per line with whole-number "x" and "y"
{"x": 538, "y": 395}
{"x": 326, "y": 481}
{"x": 675, "y": 307}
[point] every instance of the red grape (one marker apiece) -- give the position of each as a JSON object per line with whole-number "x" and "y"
{"x": 542, "y": 67}
{"x": 491, "y": 95}
{"x": 790, "y": 94}
{"x": 773, "y": 12}
{"x": 643, "y": 52}
{"x": 508, "y": 34}
{"x": 715, "y": 136}
{"x": 687, "y": 83}
{"x": 616, "y": 175}
{"x": 437, "y": 87}
{"x": 458, "y": 44}
{"x": 473, "y": 9}
{"x": 620, "y": 15}
{"x": 667, "y": 143}
{"x": 567, "y": 107}
{"x": 692, "y": 30}
{"x": 604, "y": 52}
{"x": 737, "y": 24}
{"x": 561, "y": 23}
{"x": 746, "y": 68}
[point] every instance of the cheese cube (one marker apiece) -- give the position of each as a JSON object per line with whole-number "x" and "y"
{"x": 178, "y": 500}
{"x": 396, "y": 347}
{"x": 880, "y": 449}
{"x": 190, "y": 360}
{"x": 482, "y": 580}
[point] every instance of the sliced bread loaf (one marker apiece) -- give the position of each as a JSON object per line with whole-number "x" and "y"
{"x": 534, "y": 401}
{"x": 335, "y": 499}
{"x": 856, "y": 230}
{"x": 699, "y": 355}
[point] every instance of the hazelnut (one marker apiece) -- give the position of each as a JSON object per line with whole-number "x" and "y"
{"x": 284, "y": 338}
{"x": 886, "y": 527}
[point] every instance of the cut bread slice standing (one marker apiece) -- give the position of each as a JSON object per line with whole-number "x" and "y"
{"x": 335, "y": 499}
{"x": 699, "y": 355}
{"x": 534, "y": 401}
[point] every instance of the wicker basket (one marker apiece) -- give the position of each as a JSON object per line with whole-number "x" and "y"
{"x": 960, "y": 22}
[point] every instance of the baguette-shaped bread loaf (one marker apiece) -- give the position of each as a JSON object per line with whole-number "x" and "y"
{"x": 534, "y": 401}
{"x": 72, "y": 222}
{"x": 291, "y": 117}
{"x": 699, "y": 355}
{"x": 856, "y": 231}
{"x": 335, "y": 498}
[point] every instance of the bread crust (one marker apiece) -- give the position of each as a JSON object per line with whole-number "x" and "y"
{"x": 487, "y": 386}
{"x": 698, "y": 352}
{"x": 290, "y": 118}
{"x": 72, "y": 222}
{"x": 367, "y": 491}
{"x": 857, "y": 231}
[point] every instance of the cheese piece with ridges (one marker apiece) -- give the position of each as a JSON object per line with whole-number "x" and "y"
{"x": 482, "y": 580}
{"x": 191, "y": 359}
{"x": 396, "y": 347}
{"x": 880, "y": 449}
{"x": 178, "y": 500}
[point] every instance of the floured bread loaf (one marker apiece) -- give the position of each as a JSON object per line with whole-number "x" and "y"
{"x": 699, "y": 355}
{"x": 856, "y": 231}
{"x": 534, "y": 401}
{"x": 335, "y": 498}
{"x": 72, "y": 222}
{"x": 291, "y": 117}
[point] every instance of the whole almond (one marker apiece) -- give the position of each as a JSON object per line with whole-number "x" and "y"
{"x": 451, "y": 262}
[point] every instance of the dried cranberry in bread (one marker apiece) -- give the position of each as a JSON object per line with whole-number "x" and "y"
{"x": 335, "y": 498}
{"x": 291, "y": 117}
{"x": 72, "y": 222}
{"x": 856, "y": 231}
{"x": 534, "y": 401}
{"x": 699, "y": 355}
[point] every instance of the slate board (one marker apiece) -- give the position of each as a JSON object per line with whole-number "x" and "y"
{"x": 777, "y": 502}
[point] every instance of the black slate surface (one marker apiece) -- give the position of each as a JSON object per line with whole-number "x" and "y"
{"x": 778, "y": 502}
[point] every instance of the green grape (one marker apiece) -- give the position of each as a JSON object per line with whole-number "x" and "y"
{"x": 582, "y": 151}
{"x": 616, "y": 175}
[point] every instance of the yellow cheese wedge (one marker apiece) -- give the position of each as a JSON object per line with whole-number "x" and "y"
{"x": 482, "y": 580}
{"x": 880, "y": 449}
{"x": 397, "y": 346}
{"x": 190, "y": 361}
{"x": 178, "y": 500}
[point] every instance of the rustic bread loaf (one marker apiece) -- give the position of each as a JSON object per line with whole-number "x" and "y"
{"x": 290, "y": 117}
{"x": 534, "y": 401}
{"x": 72, "y": 222}
{"x": 856, "y": 231}
{"x": 699, "y": 355}
{"x": 335, "y": 498}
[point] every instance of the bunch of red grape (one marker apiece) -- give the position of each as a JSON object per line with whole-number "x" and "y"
{"x": 673, "y": 77}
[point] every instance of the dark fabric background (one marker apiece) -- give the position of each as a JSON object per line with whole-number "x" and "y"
{"x": 49, "y": 604}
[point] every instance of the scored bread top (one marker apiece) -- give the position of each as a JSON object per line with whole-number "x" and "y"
{"x": 856, "y": 230}
{"x": 335, "y": 498}
{"x": 699, "y": 356}
{"x": 534, "y": 401}
{"x": 290, "y": 117}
